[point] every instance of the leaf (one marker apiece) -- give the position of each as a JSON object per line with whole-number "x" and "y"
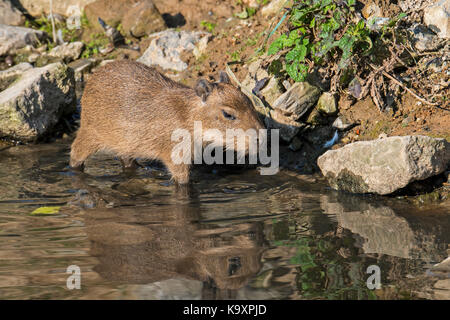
{"x": 277, "y": 45}
{"x": 297, "y": 71}
{"x": 46, "y": 210}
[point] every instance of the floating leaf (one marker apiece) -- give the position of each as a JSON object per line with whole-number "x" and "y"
{"x": 46, "y": 210}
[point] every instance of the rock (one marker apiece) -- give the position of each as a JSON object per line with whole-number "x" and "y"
{"x": 298, "y": 100}
{"x": 10, "y": 75}
{"x": 327, "y": 104}
{"x": 315, "y": 117}
{"x": 288, "y": 128}
{"x": 386, "y": 165}
{"x": 252, "y": 3}
{"x": 272, "y": 8}
{"x": 67, "y": 51}
{"x": 14, "y": 38}
{"x": 437, "y": 18}
{"x": 9, "y": 14}
{"x": 80, "y": 67}
{"x": 166, "y": 48}
{"x": 423, "y": 38}
{"x": 143, "y": 19}
{"x": 37, "y": 8}
{"x": 371, "y": 10}
{"x": 409, "y": 5}
{"x": 271, "y": 91}
{"x": 201, "y": 47}
{"x": 31, "y": 106}
{"x": 342, "y": 124}
{"x": 138, "y": 17}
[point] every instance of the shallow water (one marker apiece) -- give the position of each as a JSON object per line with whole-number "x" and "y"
{"x": 234, "y": 235}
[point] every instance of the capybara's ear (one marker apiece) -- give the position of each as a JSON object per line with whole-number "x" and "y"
{"x": 223, "y": 77}
{"x": 203, "y": 89}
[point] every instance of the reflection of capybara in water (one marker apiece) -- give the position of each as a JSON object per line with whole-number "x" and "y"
{"x": 133, "y": 110}
{"x": 145, "y": 245}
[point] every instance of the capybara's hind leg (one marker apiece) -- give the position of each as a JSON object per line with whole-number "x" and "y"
{"x": 81, "y": 149}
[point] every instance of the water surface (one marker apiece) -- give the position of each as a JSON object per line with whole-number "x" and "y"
{"x": 234, "y": 235}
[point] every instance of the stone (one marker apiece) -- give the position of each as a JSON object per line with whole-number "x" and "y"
{"x": 315, "y": 117}
{"x": 13, "y": 38}
{"x": 298, "y": 100}
{"x": 288, "y": 127}
{"x": 272, "y": 90}
{"x": 138, "y": 17}
{"x": 327, "y": 104}
{"x": 342, "y": 124}
{"x": 437, "y": 18}
{"x": 143, "y": 19}
{"x": 80, "y": 67}
{"x": 385, "y": 165}
{"x": 10, "y": 75}
{"x": 9, "y": 14}
{"x": 35, "y": 102}
{"x": 371, "y": 10}
{"x": 272, "y": 8}
{"x": 201, "y": 47}
{"x": 37, "y": 8}
{"x": 423, "y": 38}
{"x": 166, "y": 48}
{"x": 67, "y": 51}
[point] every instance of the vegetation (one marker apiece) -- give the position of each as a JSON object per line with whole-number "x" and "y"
{"x": 208, "y": 25}
{"x": 328, "y": 34}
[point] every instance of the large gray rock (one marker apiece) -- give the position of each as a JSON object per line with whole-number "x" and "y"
{"x": 166, "y": 48}
{"x": 385, "y": 165}
{"x": 298, "y": 100}
{"x": 437, "y": 18}
{"x": 14, "y": 38}
{"x": 9, "y": 14}
{"x": 34, "y": 103}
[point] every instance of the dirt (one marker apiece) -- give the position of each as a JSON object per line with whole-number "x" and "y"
{"x": 236, "y": 40}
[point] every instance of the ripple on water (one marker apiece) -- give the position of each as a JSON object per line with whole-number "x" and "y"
{"x": 234, "y": 234}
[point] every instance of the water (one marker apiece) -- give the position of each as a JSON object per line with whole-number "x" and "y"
{"x": 234, "y": 235}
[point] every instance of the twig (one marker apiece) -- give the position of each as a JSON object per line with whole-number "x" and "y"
{"x": 52, "y": 18}
{"x": 409, "y": 90}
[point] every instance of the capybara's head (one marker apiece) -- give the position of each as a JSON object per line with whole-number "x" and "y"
{"x": 227, "y": 115}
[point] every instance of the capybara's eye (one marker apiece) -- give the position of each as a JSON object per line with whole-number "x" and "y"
{"x": 228, "y": 116}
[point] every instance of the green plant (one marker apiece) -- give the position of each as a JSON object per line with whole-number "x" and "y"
{"x": 210, "y": 26}
{"x": 321, "y": 31}
{"x": 98, "y": 40}
{"x": 246, "y": 13}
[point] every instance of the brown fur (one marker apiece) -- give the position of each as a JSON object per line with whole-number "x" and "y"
{"x": 132, "y": 110}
